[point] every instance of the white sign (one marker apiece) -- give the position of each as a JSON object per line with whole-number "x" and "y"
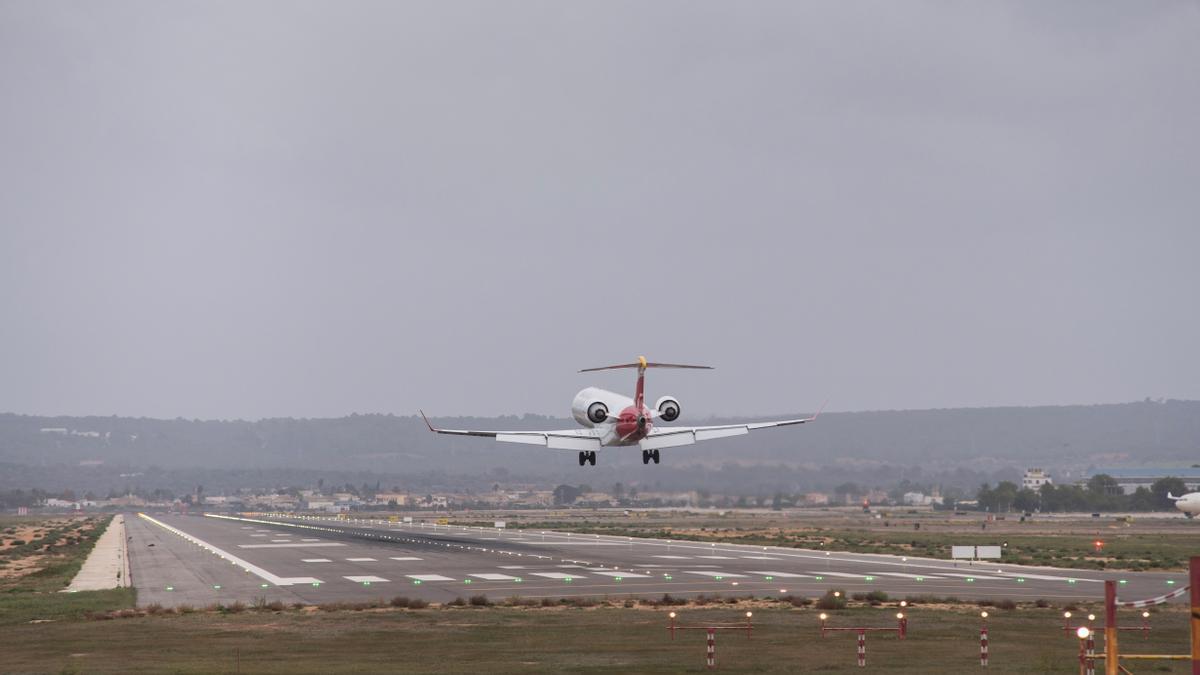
{"x": 974, "y": 552}
{"x": 22, "y": 510}
{"x": 987, "y": 551}
{"x": 500, "y": 524}
{"x": 962, "y": 552}
{"x": 408, "y": 519}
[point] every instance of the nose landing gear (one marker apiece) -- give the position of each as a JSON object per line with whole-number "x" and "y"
{"x": 586, "y": 457}
{"x": 648, "y": 455}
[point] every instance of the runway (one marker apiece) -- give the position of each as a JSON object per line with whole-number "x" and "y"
{"x": 205, "y": 559}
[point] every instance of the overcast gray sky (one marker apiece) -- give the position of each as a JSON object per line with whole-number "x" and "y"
{"x": 245, "y": 209}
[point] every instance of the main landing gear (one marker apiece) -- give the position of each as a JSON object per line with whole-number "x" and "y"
{"x": 648, "y": 455}
{"x": 587, "y": 457}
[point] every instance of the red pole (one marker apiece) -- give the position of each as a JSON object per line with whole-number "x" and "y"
{"x": 712, "y": 648}
{"x": 903, "y": 626}
{"x": 1194, "y": 573}
{"x": 862, "y": 648}
{"x": 983, "y": 646}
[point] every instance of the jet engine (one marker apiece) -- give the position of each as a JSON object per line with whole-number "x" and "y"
{"x": 589, "y": 413}
{"x": 668, "y": 408}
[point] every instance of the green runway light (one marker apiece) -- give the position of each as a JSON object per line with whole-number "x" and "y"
{"x": 769, "y": 578}
{"x": 263, "y": 585}
{"x": 316, "y": 584}
{"x": 918, "y": 578}
{"x": 1170, "y": 582}
{"x": 519, "y": 580}
{"x": 970, "y": 579}
{"x": 365, "y": 583}
{"x": 719, "y": 578}
{"x": 869, "y": 578}
{"x": 1123, "y": 581}
{"x": 466, "y": 581}
{"x": 417, "y": 581}
{"x": 668, "y": 577}
{"x": 1070, "y": 581}
{"x": 216, "y": 587}
{"x": 819, "y": 577}
{"x": 170, "y": 588}
{"x": 1020, "y": 580}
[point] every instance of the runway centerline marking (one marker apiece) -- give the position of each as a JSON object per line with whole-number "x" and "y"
{"x": 315, "y": 560}
{"x": 361, "y": 560}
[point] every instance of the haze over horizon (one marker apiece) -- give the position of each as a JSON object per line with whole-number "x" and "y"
{"x": 225, "y": 211}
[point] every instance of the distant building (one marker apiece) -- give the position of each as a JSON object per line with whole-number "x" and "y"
{"x": 1130, "y": 479}
{"x": 1034, "y": 479}
{"x": 917, "y": 499}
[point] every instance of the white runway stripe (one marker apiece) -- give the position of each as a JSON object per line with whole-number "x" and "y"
{"x": 292, "y": 545}
{"x": 559, "y": 575}
{"x": 491, "y": 576}
{"x": 673, "y": 557}
{"x": 844, "y": 575}
{"x": 780, "y": 575}
{"x": 512, "y": 567}
{"x": 428, "y": 577}
{"x": 316, "y": 560}
{"x": 366, "y": 579}
{"x": 716, "y": 557}
{"x": 624, "y": 575}
{"x": 760, "y": 557}
{"x": 404, "y": 558}
{"x": 715, "y": 573}
{"x": 967, "y": 576}
{"x": 281, "y": 541}
{"x": 361, "y": 560}
{"x": 907, "y": 576}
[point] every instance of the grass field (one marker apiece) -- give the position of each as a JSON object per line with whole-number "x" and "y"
{"x": 39, "y": 558}
{"x": 507, "y": 640}
{"x": 1137, "y": 544}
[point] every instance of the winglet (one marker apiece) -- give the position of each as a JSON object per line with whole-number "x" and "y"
{"x": 426, "y": 421}
{"x": 820, "y": 410}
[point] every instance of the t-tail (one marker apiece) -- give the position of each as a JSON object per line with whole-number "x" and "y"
{"x": 642, "y": 364}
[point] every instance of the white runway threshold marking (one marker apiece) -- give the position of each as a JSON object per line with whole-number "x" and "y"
{"x": 780, "y": 575}
{"x": 404, "y": 558}
{"x": 493, "y": 577}
{"x": 673, "y": 557}
{"x": 902, "y": 575}
{"x": 315, "y": 560}
{"x": 559, "y": 575}
{"x": 428, "y": 577}
{"x": 623, "y": 575}
{"x": 713, "y": 573}
{"x": 844, "y": 575}
{"x": 361, "y": 560}
{"x": 366, "y": 579}
{"x": 716, "y": 557}
{"x": 253, "y": 569}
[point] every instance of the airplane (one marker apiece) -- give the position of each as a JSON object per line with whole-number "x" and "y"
{"x": 633, "y": 425}
{"x": 1188, "y": 503}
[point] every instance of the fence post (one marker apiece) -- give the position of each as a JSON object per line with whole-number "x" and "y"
{"x": 862, "y": 648}
{"x": 1112, "y": 662}
{"x": 712, "y": 648}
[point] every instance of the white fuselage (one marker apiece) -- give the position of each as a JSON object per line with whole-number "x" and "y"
{"x": 1189, "y": 503}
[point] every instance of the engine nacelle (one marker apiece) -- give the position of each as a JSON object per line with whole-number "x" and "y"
{"x": 594, "y": 406}
{"x": 668, "y": 408}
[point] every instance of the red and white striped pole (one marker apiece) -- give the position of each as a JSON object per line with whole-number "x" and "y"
{"x": 983, "y": 641}
{"x": 712, "y": 648}
{"x": 1091, "y": 652}
{"x": 862, "y": 648}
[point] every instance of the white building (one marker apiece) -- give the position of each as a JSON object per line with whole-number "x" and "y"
{"x": 1034, "y": 479}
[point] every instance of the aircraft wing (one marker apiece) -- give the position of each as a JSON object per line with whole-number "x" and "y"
{"x": 669, "y": 437}
{"x": 564, "y": 439}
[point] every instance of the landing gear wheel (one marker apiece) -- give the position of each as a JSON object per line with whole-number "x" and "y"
{"x": 582, "y": 458}
{"x": 654, "y": 456}
{"x": 587, "y": 457}
{"x": 645, "y": 457}
{"x": 592, "y": 457}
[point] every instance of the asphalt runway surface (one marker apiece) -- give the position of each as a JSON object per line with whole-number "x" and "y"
{"x": 205, "y": 559}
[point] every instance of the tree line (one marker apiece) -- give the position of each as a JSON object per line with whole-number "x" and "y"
{"x": 1101, "y": 493}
